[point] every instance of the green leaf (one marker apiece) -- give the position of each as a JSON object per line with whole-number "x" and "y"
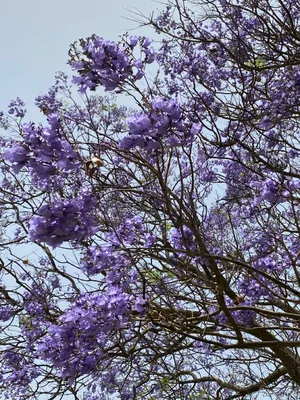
{"x": 258, "y": 63}
{"x": 168, "y": 226}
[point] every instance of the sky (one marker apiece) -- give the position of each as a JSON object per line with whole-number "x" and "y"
{"x": 35, "y": 38}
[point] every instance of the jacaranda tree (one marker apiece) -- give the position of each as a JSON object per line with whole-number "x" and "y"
{"x": 153, "y": 251}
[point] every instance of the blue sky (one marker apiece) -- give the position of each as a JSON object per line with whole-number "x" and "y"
{"x": 35, "y": 38}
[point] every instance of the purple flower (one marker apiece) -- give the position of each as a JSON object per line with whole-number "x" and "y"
{"x": 18, "y": 155}
{"x": 140, "y": 305}
{"x": 60, "y": 221}
{"x": 106, "y": 64}
{"x": 17, "y": 108}
{"x": 6, "y": 313}
{"x": 133, "y": 40}
{"x": 163, "y": 126}
{"x": 76, "y": 343}
{"x": 147, "y": 42}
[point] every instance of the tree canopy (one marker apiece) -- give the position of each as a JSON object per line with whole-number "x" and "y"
{"x": 152, "y": 251}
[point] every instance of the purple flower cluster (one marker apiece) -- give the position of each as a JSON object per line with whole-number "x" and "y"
{"x": 112, "y": 257}
{"x": 76, "y": 344}
{"x": 130, "y": 231}
{"x": 244, "y": 317}
{"x": 269, "y": 190}
{"x": 16, "y": 373}
{"x": 68, "y": 220}
{"x": 182, "y": 239}
{"x": 109, "y": 64}
{"x": 103, "y": 258}
{"x": 273, "y": 191}
{"x": 148, "y": 51}
{"x": 106, "y": 65}
{"x": 18, "y": 155}
{"x": 44, "y": 151}
{"x": 17, "y": 108}
{"x": 254, "y": 289}
{"x": 48, "y": 103}
{"x": 6, "y": 313}
{"x": 163, "y": 126}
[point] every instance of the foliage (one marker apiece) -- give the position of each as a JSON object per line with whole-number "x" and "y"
{"x": 153, "y": 252}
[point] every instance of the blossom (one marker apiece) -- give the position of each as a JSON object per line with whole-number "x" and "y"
{"x": 18, "y": 155}
{"x": 17, "y": 108}
{"x": 164, "y": 126}
{"x": 68, "y": 220}
{"x": 44, "y": 151}
{"x": 106, "y": 65}
{"x": 77, "y": 343}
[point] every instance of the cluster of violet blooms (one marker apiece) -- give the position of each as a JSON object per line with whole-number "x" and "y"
{"x": 44, "y": 152}
{"x": 164, "y": 126}
{"x": 61, "y": 221}
{"x": 88, "y": 325}
{"x": 107, "y": 64}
